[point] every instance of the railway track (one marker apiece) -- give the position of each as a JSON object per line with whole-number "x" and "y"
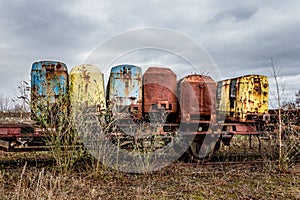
{"x": 215, "y": 161}
{"x": 28, "y": 162}
{"x": 40, "y": 148}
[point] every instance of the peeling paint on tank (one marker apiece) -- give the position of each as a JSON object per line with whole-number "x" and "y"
{"x": 124, "y": 86}
{"x": 87, "y": 87}
{"x": 49, "y": 85}
{"x": 197, "y": 98}
{"x": 49, "y": 78}
{"x": 243, "y": 97}
{"x": 160, "y": 88}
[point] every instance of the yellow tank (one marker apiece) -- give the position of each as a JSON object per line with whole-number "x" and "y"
{"x": 243, "y": 98}
{"x": 86, "y": 87}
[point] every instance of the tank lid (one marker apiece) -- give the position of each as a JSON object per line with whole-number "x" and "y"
{"x": 125, "y": 65}
{"x": 38, "y": 64}
{"x": 85, "y": 68}
{"x": 159, "y": 70}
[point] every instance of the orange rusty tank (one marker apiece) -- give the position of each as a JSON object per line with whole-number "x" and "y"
{"x": 197, "y": 95}
{"x": 159, "y": 94}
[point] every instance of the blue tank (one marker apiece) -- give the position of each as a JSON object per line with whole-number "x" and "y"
{"x": 49, "y": 86}
{"x": 124, "y": 87}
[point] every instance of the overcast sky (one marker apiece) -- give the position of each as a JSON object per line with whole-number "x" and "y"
{"x": 239, "y": 36}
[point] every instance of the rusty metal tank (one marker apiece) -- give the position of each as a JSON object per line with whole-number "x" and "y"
{"x": 159, "y": 93}
{"x": 49, "y": 89}
{"x": 124, "y": 87}
{"x": 86, "y": 87}
{"x": 197, "y": 95}
{"x": 243, "y": 98}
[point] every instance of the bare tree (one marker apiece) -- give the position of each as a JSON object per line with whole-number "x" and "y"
{"x": 287, "y": 123}
{"x": 278, "y": 99}
{"x": 4, "y": 103}
{"x": 297, "y": 98}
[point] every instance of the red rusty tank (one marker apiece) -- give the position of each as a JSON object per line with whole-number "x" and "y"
{"x": 197, "y": 95}
{"x": 159, "y": 93}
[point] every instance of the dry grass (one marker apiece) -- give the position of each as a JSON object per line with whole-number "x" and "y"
{"x": 88, "y": 179}
{"x": 24, "y": 155}
{"x": 177, "y": 181}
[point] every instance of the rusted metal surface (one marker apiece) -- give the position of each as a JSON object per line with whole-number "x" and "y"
{"x": 240, "y": 129}
{"x": 159, "y": 93}
{"x": 135, "y": 110}
{"x": 8, "y": 130}
{"x": 223, "y": 100}
{"x": 244, "y": 98}
{"x": 86, "y": 87}
{"x": 14, "y": 135}
{"x": 124, "y": 87}
{"x": 197, "y": 99}
{"x": 49, "y": 78}
{"x": 49, "y": 86}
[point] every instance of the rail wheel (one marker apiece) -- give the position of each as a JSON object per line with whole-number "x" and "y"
{"x": 203, "y": 147}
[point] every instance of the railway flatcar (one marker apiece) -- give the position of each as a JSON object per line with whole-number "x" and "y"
{"x": 197, "y": 116}
{"x": 13, "y": 135}
{"x": 49, "y": 92}
{"x": 160, "y": 101}
{"x": 86, "y": 88}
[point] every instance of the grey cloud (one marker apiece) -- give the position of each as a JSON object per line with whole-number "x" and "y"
{"x": 44, "y": 26}
{"x": 234, "y": 14}
{"x": 241, "y": 37}
{"x": 35, "y": 30}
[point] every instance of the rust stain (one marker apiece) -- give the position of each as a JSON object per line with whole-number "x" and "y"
{"x": 160, "y": 88}
{"x": 243, "y": 96}
{"x": 197, "y": 98}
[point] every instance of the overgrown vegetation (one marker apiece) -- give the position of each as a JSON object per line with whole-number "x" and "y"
{"x": 76, "y": 174}
{"x": 177, "y": 181}
{"x": 287, "y": 126}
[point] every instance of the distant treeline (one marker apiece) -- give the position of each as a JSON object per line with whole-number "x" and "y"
{"x": 11, "y": 114}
